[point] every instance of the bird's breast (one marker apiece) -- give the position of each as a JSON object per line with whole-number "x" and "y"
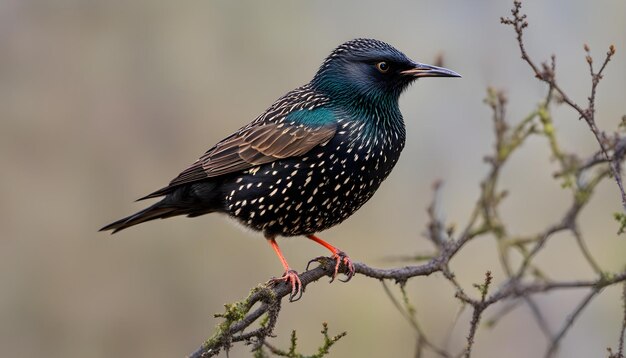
{"x": 307, "y": 194}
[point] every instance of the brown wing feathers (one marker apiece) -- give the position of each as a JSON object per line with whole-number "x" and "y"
{"x": 250, "y": 147}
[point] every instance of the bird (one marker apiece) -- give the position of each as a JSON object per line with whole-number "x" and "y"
{"x": 307, "y": 163}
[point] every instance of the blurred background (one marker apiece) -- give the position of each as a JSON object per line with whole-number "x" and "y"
{"x": 102, "y": 102}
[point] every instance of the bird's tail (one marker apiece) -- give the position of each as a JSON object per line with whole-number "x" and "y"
{"x": 156, "y": 211}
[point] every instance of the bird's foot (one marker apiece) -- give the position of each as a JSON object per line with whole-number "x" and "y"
{"x": 339, "y": 257}
{"x": 290, "y": 277}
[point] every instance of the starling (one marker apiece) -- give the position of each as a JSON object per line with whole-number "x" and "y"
{"x": 310, "y": 160}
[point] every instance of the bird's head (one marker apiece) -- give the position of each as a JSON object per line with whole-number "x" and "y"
{"x": 372, "y": 70}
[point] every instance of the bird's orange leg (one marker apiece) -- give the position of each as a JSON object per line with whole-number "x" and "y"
{"x": 339, "y": 257}
{"x": 290, "y": 276}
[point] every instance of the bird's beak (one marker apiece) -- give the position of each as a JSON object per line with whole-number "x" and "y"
{"x": 423, "y": 70}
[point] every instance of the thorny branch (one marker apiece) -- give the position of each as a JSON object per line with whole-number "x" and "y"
{"x": 580, "y": 176}
{"x": 479, "y": 307}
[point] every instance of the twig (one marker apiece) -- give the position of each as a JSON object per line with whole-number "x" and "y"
{"x": 479, "y": 307}
{"x": 408, "y": 312}
{"x": 554, "y": 344}
{"x": 547, "y": 74}
{"x": 541, "y": 321}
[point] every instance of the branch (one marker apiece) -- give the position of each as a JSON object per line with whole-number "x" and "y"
{"x": 271, "y": 296}
{"x": 547, "y": 74}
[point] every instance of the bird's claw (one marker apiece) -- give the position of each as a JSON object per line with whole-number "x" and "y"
{"x": 290, "y": 277}
{"x": 339, "y": 258}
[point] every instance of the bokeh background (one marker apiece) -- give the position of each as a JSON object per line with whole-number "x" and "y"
{"x": 102, "y": 102}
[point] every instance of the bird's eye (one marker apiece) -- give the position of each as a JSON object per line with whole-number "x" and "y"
{"x": 383, "y": 67}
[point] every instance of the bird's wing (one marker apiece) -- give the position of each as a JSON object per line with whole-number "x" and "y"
{"x": 257, "y": 145}
{"x": 293, "y": 134}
